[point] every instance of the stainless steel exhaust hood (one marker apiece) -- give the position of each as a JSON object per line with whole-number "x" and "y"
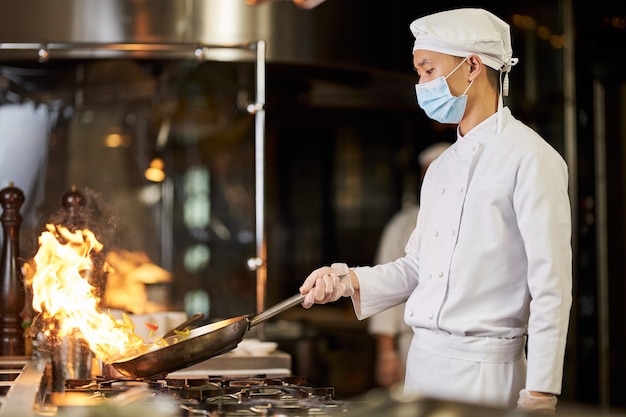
{"x": 41, "y": 29}
{"x": 339, "y": 43}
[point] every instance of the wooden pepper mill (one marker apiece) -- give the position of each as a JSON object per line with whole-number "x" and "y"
{"x": 74, "y": 203}
{"x": 12, "y": 293}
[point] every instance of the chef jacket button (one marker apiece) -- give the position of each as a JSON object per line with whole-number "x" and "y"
{"x": 430, "y": 276}
{"x": 442, "y": 191}
{"x": 461, "y": 189}
{"x": 440, "y": 274}
{"x": 436, "y": 234}
{"x": 452, "y": 232}
{"x": 473, "y": 147}
{"x": 430, "y": 316}
{"x": 410, "y": 313}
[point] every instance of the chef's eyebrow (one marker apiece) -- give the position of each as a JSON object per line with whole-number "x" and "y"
{"x": 423, "y": 62}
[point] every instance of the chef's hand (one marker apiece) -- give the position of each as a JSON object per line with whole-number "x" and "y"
{"x": 536, "y": 401}
{"x": 324, "y": 285}
{"x": 308, "y": 4}
{"x": 388, "y": 369}
{"x": 303, "y": 4}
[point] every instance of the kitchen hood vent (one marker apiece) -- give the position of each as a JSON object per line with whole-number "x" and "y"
{"x": 42, "y": 29}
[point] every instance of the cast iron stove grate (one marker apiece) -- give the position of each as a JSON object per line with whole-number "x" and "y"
{"x": 217, "y": 396}
{"x": 254, "y": 396}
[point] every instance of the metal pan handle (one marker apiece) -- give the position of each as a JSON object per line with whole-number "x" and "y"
{"x": 280, "y": 307}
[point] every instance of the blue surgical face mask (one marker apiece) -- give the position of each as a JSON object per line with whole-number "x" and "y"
{"x": 435, "y": 98}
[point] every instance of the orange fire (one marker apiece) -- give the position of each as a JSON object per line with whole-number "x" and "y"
{"x": 59, "y": 275}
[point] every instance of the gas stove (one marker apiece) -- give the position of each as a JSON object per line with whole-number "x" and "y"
{"x": 27, "y": 390}
{"x": 214, "y": 396}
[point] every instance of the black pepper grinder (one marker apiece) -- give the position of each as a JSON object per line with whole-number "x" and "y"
{"x": 74, "y": 203}
{"x": 12, "y": 293}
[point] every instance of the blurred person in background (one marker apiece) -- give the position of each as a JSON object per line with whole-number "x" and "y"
{"x": 392, "y": 335}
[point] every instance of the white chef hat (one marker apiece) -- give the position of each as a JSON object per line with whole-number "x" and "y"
{"x": 463, "y": 32}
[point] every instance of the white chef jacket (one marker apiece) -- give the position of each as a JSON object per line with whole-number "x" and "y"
{"x": 489, "y": 261}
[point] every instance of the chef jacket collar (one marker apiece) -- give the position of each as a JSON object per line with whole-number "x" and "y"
{"x": 488, "y": 128}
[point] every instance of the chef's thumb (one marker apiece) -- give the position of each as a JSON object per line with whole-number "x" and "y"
{"x": 309, "y": 299}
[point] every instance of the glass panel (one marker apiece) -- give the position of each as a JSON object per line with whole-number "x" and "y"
{"x": 118, "y": 121}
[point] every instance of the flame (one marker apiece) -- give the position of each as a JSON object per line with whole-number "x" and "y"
{"x": 59, "y": 274}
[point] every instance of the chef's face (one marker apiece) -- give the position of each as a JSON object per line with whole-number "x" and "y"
{"x": 430, "y": 65}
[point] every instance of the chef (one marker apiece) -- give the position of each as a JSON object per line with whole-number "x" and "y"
{"x": 487, "y": 274}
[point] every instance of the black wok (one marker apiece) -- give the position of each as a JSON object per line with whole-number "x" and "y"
{"x": 203, "y": 343}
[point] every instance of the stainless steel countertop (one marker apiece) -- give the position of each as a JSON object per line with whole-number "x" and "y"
{"x": 23, "y": 377}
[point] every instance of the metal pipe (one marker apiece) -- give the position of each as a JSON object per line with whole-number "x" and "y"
{"x": 259, "y": 144}
{"x": 569, "y": 113}
{"x": 602, "y": 255}
{"x": 167, "y": 224}
{"x": 569, "y": 127}
{"x": 45, "y": 51}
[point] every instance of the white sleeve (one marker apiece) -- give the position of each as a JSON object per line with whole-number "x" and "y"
{"x": 544, "y": 219}
{"x": 384, "y": 286}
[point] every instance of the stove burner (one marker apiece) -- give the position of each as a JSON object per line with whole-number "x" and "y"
{"x": 217, "y": 396}
{"x": 110, "y": 385}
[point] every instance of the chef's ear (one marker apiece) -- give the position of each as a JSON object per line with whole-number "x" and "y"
{"x": 476, "y": 66}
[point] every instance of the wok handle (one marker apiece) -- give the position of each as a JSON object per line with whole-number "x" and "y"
{"x": 280, "y": 307}
{"x": 276, "y": 309}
